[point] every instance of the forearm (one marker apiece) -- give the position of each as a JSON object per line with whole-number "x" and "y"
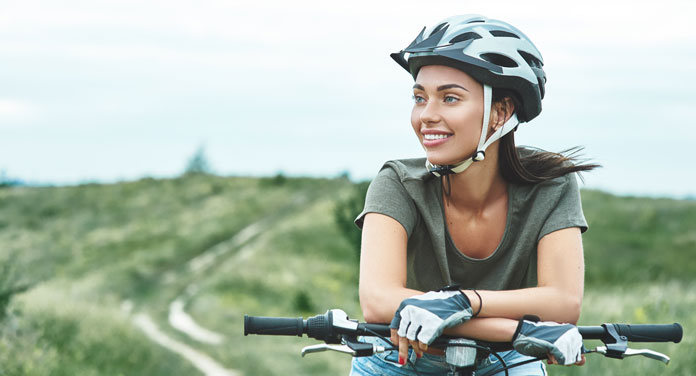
{"x": 558, "y": 297}
{"x": 379, "y": 304}
{"x": 491, "y": 329}
{"x": 549, "y": 303}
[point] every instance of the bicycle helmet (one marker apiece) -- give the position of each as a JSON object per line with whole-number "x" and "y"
{"x": 494, "y": 53}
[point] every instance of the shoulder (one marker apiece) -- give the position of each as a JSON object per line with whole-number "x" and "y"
{"x": 549, "y": 189}
{"x": 406, "y": 170}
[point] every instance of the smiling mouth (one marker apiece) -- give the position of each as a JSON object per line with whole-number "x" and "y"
{"x": 431, "y": 137}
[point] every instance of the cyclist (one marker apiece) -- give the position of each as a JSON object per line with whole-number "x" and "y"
{"x": 501, "y": 222}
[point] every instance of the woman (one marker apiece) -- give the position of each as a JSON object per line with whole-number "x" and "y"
{"x": 502, "y": 223}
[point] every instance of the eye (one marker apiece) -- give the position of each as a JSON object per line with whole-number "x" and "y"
{"x": 418, "y": 99}
{"x": 451, "y": 99}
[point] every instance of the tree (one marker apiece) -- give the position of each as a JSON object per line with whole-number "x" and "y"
{"x": 198, "y": 163}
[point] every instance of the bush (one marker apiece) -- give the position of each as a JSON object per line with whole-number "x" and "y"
{"x": 10, "y": 284}
{"x": 345, "y": 213}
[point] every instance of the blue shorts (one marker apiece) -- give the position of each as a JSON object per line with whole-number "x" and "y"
{"x": 387, "y": 364}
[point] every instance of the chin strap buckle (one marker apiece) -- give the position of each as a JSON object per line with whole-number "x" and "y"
{"x": 441, "y": 171}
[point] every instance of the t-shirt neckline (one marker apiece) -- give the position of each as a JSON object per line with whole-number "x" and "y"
{"x": 448, "y": 237}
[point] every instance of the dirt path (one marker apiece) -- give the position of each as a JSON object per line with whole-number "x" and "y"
{"x": 178, "y": 318}
{"x": 208, "y": 258}
{"x": 203, "y": 362}
{"x": 181, "y": 321}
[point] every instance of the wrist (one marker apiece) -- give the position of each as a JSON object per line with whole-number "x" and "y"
{"x": 475, "y": 301}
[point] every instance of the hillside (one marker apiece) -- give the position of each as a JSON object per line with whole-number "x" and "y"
{"x": 83, "y": 266}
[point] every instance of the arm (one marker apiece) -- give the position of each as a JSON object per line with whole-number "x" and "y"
{"x": 382, "y": 268}
{"x": 383, "y": 280}
{"x": 383, "y": 284}
{"x": 558, "y": 296}
{"x": 560, "y": 272}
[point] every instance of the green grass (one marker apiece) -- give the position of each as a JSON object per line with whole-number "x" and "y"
{"x": 658, "y": 303}
{"x": 634, "y": 240}
{"x": 71, "y": 255}
{"x": 57, "y": 333}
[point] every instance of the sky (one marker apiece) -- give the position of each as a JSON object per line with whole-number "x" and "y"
{"x": 117, "y": 90}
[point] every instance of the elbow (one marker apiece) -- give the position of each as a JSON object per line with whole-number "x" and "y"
{"x": 567, "y": 308}
{"x": 371, "y": 315}
{"x": 373, "y": 308}
{"x": 572, "y": 308}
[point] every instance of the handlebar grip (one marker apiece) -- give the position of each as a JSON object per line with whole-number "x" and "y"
{"x": 380, "y": 329}
{"x": 277, "y": 326}
{"x": 650, "y": 332}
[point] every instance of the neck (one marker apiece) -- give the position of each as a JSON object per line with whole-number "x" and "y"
{"x": 479, "y": 185}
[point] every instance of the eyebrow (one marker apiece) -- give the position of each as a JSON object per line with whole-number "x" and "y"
{"x": 441, "y": 87}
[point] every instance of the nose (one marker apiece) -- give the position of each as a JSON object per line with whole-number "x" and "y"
{"x": 430, "y": 114}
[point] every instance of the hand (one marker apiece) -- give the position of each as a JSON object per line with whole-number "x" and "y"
{"x": 562, "y": 343}
{"x": 424, "y": 317}
{"x": 552, "y": 360}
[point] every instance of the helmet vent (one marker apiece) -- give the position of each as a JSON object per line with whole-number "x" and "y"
{"x": 500, "y": 60}
{"x": 438, "y": 28}
{"x": 465, "y": 36}
{"x": 531, "y": 59}
{"x": 473, "y": 21}
{"x": 502, "y": 33}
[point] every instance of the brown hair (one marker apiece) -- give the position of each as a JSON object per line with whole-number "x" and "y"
{"x": 525, "y": 165}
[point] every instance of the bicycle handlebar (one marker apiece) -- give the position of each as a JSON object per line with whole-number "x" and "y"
{"x": 279, "y": 326}
{"x": 636, "y": 332}
{"x": 340, "y": 334}
{"x": 326, "y": 327}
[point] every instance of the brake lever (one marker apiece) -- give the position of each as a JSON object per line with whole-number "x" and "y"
{"x": 634, "y": 352}
{"x": 350, "y": 346}
{"x": 325, "y": 347}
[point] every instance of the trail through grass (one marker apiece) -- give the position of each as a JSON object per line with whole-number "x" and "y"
{"x": 225, "y": 247}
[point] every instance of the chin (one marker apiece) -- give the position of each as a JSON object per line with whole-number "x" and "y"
{"x": 442, "y": 160}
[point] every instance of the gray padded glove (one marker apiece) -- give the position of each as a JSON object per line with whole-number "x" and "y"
{"x": 538, "y": 339}
{"x": 426, "y": 316}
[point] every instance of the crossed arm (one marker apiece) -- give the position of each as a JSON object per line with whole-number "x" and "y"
{"x": 557, "y": 297}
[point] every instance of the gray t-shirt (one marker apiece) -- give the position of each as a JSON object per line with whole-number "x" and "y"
{"x": 405, "y": 191}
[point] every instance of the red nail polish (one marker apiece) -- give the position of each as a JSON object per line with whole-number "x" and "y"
{"x": 418, "y": 355}
{"x": 402, "y": 361}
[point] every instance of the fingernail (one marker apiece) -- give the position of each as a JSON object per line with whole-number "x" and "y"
{"x": 418, "y": 355}
{"x": 402, "y": 361}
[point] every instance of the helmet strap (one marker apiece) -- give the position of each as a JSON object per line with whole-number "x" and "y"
{"x": 483, "y": 144}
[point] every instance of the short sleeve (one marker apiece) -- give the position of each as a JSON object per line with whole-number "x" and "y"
{"x": 387, "y": 195}
{"x": 568, "y": 210}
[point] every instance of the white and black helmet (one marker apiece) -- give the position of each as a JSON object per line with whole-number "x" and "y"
{"x": 494, "y": 53}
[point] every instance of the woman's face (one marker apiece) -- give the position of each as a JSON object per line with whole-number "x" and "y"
{"x": 447, "y": 113}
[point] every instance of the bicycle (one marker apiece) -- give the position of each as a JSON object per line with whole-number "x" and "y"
{"x": 340, "y": 334}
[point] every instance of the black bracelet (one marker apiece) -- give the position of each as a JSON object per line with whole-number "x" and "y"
{"x": 480, "y": 303}
{"x": 458, "y": 288}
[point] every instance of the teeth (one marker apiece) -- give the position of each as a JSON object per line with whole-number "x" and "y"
{"x": 435, "y": 136}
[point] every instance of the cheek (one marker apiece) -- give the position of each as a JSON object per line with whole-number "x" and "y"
{"x": 415, "y": 120}
{"x": 468, "y": 121}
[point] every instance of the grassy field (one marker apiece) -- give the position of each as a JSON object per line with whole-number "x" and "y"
{"x": 78, "y": 263}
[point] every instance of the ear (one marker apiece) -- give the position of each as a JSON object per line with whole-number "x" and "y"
{"x": 501, "y": 112}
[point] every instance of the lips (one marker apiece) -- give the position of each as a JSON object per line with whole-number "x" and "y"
{"x": 436, "y": 136}
{"x": 432, "y": 138}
